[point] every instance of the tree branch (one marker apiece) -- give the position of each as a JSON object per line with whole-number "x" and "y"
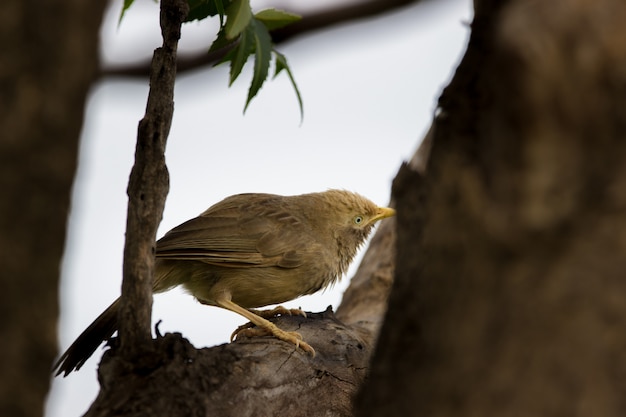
{"x": 148, "y": 187}
{"x": 309, "y": 23}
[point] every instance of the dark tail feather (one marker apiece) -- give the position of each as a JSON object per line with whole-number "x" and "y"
{"x": 86, "y": 344}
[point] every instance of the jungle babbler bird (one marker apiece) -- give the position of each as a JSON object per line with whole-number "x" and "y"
{"x": 249, "y": 251}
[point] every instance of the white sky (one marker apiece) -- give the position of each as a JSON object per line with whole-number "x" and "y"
{"x": 369, "y": 91}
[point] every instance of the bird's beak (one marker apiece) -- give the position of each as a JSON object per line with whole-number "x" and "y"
{"x": 383, "y": 213}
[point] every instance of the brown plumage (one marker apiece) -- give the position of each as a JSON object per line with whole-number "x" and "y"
{"x": 249, "y": 251}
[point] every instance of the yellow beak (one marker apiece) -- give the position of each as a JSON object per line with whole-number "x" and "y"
{"x": 383, "y": 213}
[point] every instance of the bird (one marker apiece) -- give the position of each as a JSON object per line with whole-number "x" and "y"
{"x": 249, "y": 251}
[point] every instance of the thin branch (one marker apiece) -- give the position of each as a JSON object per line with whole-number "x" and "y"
{"x": 309, "y": 23}
{"x": 148, "y": 186}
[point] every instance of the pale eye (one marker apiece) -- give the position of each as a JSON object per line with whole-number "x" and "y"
{"x": 358, "y": 220}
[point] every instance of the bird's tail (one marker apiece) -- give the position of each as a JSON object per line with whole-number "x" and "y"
{"x": 86, "y": 344}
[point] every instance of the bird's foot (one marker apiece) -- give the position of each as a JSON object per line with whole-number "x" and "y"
{"x": 247, "y": 330}
{"x": 295, "y": 338}
{"x": 278, "y": 311}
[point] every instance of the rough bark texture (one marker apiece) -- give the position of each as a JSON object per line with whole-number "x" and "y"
{"x": 148, "y": 187}
{"x": 49, "y": 59}
{"x": 255, "y": 377}
{"x": 509, "y": 293}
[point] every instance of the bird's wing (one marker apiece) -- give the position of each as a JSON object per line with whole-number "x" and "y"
{"x": 232, "y": 235}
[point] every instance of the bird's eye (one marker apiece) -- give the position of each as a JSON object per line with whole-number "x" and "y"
{"x": 358, "y": 220}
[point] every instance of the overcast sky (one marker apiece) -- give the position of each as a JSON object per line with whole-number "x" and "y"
{"x": 369, "y": 91}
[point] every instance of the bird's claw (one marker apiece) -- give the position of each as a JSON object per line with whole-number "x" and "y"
{"x": 248, "y": 330}
{"x": 279, "y": 311}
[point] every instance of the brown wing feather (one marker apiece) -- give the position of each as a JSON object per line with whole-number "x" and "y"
{"x": 231, "y": 235}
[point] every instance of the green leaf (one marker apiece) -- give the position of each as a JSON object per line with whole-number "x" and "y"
{"x": 240, "y": 53}
{"x": 281, "y": 64}
{"x": 220, "y": 6}
{"x": 127, "y": 4}
{"x": 221, "y": 42}
{"x": 262, "y": 57}
{"x": 238, "y": 17}
{"x": 201, "y": 9}
{"x": 275, "y": 19}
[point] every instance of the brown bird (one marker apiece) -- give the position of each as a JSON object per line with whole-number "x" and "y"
{"x": 249, "y": 251}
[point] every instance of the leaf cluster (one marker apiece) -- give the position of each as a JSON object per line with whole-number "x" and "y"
{"x": 243, "y": 34}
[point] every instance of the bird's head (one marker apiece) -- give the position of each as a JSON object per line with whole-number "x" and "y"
{"x": 353, "y": 214}
{"x": 350, "y": 218}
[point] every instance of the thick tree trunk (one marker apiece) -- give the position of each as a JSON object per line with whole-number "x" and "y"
{"x": 510, "y": 284}
{"x": 49, "y": 59}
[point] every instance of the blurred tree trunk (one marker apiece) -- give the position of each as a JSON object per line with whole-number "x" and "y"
{"x": 49, "y": 58}
{"x": 510, "y": 292}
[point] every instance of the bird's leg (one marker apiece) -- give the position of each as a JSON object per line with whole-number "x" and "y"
{"x": 265, "y": 326}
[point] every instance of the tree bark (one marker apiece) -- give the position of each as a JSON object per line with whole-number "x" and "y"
{"x": 49, "y": 59}
{"x": 509, "y": 289}
{"x": 147, "y": 189}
